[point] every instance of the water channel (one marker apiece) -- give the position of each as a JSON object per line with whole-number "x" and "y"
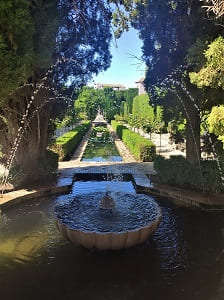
{"x": 101, "y": 147}
{"x": 184, "y": 258}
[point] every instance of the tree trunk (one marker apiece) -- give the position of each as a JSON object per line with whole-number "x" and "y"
{"x": 193, "y": 144}
{"x": 193, "y": 148}
{"x": 33, "y": 146}
{"x": 30, "y": 132}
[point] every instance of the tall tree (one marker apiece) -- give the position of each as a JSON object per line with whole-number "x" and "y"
{"x": 168, "y": 29}
{"x": 46, "y": 49}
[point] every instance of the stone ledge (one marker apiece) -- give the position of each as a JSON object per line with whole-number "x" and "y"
{"x": 16, "y": 197}
{"x": 186, "y": 197}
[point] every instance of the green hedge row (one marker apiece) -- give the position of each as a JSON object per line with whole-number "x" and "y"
{"x": 178, "y": 171}
{"x": 141, "y": 148}
{"x": 66, "y": 144}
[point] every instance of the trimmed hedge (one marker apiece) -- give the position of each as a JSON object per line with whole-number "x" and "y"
{"x": 66, "y": 144}
{"x": 141, "y": 148}
{"x": 178, "y": 171}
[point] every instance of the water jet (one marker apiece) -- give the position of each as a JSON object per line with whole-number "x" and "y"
{"x": 84, "y": 219}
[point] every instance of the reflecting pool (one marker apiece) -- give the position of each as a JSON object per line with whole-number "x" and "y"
{"x": 101, "y": 146}
{"x": 104, "y": 151}
{"x": 184, "y": 259}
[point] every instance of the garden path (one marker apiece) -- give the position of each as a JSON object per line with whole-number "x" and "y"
{"x": 140, "y": 171}
{"x": 162, "y": 141}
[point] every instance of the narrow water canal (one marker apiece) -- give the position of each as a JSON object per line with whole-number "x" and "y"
{"x": 184, "y": 258}
{"x": 101, "y": 147}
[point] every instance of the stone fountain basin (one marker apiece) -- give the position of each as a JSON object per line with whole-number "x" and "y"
{"x": 135, "y": 218}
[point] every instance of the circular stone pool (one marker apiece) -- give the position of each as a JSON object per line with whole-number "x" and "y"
{"x": 133, "y": 220}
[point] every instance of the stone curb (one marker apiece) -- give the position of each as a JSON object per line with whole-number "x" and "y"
{"x": 139, "y": 172}
{"x": 174, "y": 194}
{"x": 16, "y": 197}
{"x": 180, "y": 198}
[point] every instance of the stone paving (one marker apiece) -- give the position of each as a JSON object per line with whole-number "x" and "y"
{"x": 140, "y": 171}
{"x": 128, "y": 165}
{"x": 68, "y": 169}
{"x": 122, "y": 149}
{"x": 162, "y": 141}
{"x": 82, "y": 146}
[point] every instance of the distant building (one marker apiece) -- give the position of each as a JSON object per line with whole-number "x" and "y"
{"x": 141, "y": 87}
{"x": 115, "y": 87}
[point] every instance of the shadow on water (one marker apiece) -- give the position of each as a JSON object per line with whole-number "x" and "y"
{"x": 182, "y": 260}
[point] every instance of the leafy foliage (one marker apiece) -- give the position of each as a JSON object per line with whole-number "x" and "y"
{"x": 178, "y": 171}
{"x": 100, "y": 134}
{"x": 82, "y": 41}
{"x": 47, "y": 164}
{"x": 141, "y": 148}
{"x": 48, "y": 50}
{"x": 27, "y": 40}
{"x": 45, "y": 168}
{"x": 168, "y": 29}
{"x": 216, "y": 122}
{"x": 128, "y": 96}
{"x": 211, "y": 74}
{"x": 141, "y": 107}
{"x": 67, "y": 143}
{"x": 108, "y": 100}
{"x": 177, "y": 130}
{"x": 144, "y": 115}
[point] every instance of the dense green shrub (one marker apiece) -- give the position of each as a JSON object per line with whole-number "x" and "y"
{"x": 117, "y": 127}
{"x": 66, "y": 144}
{"x": 216, "y": 122}
{"x": 178, "y": 171}
{"x": 16, "y": 175}
{"x": 177, "y": 130}
{"x": 140, "y": 147}
{"x": 48, "y": 164}
{"x": 142, "y": 108}
{"x": 100, "y": 129}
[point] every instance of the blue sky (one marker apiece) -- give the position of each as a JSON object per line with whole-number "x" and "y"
{"x": 123, "y": 67}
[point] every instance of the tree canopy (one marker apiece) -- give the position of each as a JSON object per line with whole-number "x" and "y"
{"x": 216, "y": 122}
{"x": 36, "y": 34}
{"x": 27, "y": 41}
{"x": 211, "y": 73}
{"x": 108, "y": 100}
{"x": 47, "y": 49}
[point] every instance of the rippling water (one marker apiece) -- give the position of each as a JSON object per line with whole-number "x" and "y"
{"x": 184, "y": 259}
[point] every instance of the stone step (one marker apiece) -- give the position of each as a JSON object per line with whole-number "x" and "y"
{"x": 142, "y": 180}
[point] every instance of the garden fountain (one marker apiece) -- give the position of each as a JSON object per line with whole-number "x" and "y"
{"x": 108, "y": 221}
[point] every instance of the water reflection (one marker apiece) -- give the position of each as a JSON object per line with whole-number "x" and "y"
{"x": 106, "y": 151}
{"x": 170, "y": 242}
{"x": 25, "y": 233}
{"x": 183, "y": 259}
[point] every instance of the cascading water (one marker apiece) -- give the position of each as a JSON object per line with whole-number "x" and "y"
{"x": 28, "y": 116}
{"x": 169, "y": 80}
